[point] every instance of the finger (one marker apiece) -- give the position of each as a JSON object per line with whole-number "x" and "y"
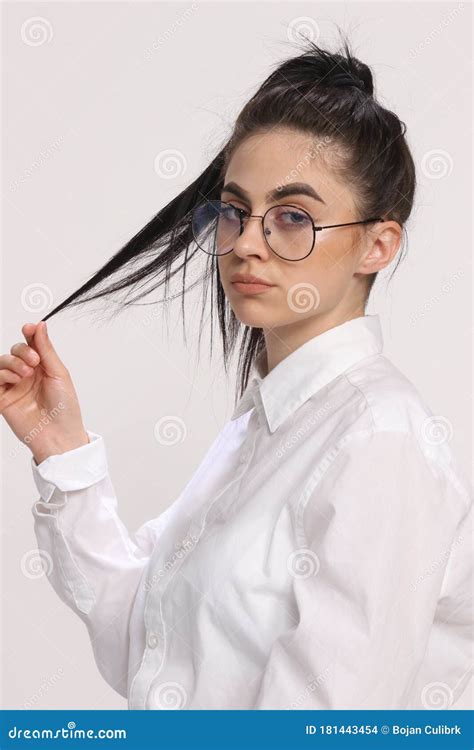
{"x": 28, "y": 331}
{"x": 50, "y": 360}
{"x": 10, "y": 362}
{"x": 7, "y": 376}
{"x": 26, "y": 353}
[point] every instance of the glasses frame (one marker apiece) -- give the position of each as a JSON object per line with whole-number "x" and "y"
{"x": 243, "y": 213}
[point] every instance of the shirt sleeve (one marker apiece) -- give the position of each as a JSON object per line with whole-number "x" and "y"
{"x": 91, "y": 560}
{"x": 448, "y": 663}
{"x": 381, "y": 583}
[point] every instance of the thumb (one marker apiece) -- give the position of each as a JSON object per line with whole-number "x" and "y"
{"x": 50, "y": 361}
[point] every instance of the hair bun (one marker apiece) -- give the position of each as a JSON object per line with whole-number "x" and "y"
{"x": 361, "y": 79}
{"x": 364, "y": 77}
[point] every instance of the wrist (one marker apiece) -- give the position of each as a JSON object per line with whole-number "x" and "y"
{"x": 57, "y": 447}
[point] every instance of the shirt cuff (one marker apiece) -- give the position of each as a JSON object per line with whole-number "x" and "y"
{"x": 73, "y": 470}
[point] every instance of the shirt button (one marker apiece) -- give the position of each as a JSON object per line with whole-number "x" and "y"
{"x": 152, "y": 640}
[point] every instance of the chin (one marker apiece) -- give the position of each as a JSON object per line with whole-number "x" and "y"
{"x": 250, "y": 313}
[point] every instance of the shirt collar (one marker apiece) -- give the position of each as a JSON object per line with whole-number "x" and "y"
{"x": 309, "y": 368}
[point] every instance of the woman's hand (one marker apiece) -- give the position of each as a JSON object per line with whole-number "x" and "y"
{"x": 37, "y": 396}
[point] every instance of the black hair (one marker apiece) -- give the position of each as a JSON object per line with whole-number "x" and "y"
{"x": 318, "y": 92}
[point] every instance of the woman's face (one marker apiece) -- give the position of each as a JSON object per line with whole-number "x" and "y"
{"x": 331, "y": 278}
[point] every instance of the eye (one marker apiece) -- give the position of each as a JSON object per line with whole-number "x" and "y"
{"x": 289, "y": 217}
{"x": 230, "y": 212}
{"x": 238, "y": 209}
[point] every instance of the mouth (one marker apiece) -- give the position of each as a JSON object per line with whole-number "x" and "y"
{"x": 251, "y": 287}
{"x": 249, "y": 284}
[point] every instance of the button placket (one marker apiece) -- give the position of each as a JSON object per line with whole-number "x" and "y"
{"x": 247, "y": 450}
{"x": 153, "y": 640}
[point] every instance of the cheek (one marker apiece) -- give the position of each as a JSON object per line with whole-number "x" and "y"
{"x": 317, "y": 282}
{"x": 332, "y": 259}
{"x": 222, "y": 266}
{"x": 303, "y": 289}
{"x": 336, "y": 252}
{"x": 311, "y": 271}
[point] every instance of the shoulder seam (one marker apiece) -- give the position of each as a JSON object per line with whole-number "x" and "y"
{"x": 357, "y": 388}
{"x": 323, "y": 466}
{"x": 330, "y": 455}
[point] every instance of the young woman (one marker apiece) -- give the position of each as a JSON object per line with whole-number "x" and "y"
{"x": 319, "y": 557}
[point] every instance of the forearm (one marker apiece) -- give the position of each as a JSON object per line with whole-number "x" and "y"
{"x": 93, "y": 563}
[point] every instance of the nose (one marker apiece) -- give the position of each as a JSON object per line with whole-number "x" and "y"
{"x": 252, "y": 241}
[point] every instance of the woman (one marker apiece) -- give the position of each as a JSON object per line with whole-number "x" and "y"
{"x": 319, "y": 557}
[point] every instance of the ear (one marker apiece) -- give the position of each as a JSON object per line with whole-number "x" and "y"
{"x": 382, "y": 242}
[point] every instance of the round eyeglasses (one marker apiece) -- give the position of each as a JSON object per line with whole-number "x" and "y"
{"x": 289, "y": 231}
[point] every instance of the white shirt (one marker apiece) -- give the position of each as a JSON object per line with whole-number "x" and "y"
{"x": 319, "y": 558}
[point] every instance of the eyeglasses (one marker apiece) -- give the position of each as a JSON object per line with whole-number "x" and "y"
{"x": 289, "y": 231}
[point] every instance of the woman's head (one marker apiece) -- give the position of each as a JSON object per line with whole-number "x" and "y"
{"x": 315, "y": 121}
{"x": 289, "y": 176}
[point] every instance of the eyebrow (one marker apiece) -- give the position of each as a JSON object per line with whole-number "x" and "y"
{"x": 293, "y": 188}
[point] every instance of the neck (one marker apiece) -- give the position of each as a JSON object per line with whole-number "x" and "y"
{"x": 282, "y": 340}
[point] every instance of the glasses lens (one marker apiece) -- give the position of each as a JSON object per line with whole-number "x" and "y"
{"x": 216, "y": 227}
{"x": 289, "y": 232}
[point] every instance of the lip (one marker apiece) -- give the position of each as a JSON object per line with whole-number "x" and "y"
{"x": 249, "y": 278}
{"x": 251, "y": 287}
{"x": 248, "y": 283}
